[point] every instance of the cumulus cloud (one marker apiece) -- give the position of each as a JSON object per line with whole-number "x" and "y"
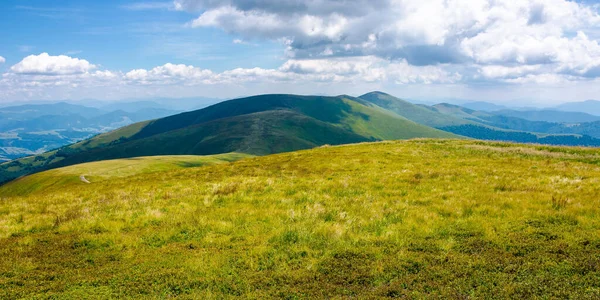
{"x": 169, "y": 74}
{"x": 45, "y": 64}
{"x": 2, "y": 60}
{"x": 43, "y": 75}
{"x": 476, "y": 34}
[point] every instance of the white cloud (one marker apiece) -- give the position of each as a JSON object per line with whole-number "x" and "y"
{"x": 45, "y": 64}
{"x": 369, "y": 69}
{"x": 169, "y": 74}
{"x": 492, "y": 34}
{"x": 38, "y": 75}
{"x": 541, "y": 79}
{"x": 495, "y": 71}
{"x": 2, "y": 60}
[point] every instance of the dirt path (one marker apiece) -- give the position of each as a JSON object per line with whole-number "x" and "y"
{"x": 82, "y": 178}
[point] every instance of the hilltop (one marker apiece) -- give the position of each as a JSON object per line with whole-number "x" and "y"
{"x": 415, "y": 219}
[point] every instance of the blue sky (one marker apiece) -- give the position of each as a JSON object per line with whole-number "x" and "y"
{"x": 529, "y": 52}
{"x": 122, "y": 35}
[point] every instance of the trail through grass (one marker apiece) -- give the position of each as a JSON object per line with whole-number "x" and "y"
{"x": 71, "y": 177}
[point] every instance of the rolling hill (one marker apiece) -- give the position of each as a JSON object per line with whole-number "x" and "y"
{"x": 488, "y": 126}
{"x": 421, "y": 114}
{"x": 409, "y": 219}
{"x": 256, "y": 125}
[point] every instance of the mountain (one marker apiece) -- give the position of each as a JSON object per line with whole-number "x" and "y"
{"x": 588, "y": 106}
{"x": 178, "y": 104}
{"x": 546, "y": 115}
{"x": 488, "y": 126}
{"x": 133, "y": 106}
{"x": 29, "y": 111}
{"x": 35, "y": 128}
{"x": 421, "y": 114}
{"x": 255, "y": 125}
{"x": 416, "y": 219}
{"x": 566, "y": 133}
{"x": 483, "y": 106}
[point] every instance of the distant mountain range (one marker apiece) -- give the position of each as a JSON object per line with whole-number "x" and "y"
{"x": 262, "y": 125}
{"x": 589, "y": 106}
{"x": 36, "y": 128}
{"x": 483, "y": 106}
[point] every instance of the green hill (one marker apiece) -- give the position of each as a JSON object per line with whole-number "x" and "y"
{"x": 506, "y": 127}
{"x": 417, "y": 113}
{"x": 256, "y": 125}
{"x": 410, "y": 219}
{"x": 487, "y": 126}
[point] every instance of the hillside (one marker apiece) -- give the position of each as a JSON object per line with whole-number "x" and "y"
{"x": 487, "y": 126}
{"x": 255, "y": 125}
{"x": 421, "y": 114}
{"x": 413, "y": 219}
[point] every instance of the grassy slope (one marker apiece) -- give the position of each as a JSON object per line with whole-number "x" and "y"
{"x": 111, "y": 137}
{"x": 420, "y": 218}
{"x": 383, "y": 124}
{"x": 416, "y": 113}
{"x": 461, "y": 112}
{"x": 68, "y": 177}
{"x": 256, "y": 125}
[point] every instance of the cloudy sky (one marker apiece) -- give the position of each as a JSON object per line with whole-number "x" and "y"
{"x": 526, "y": 52}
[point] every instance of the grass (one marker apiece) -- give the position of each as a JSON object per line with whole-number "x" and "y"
{"x": 415, "y": 219}
{"x": 68, "y": 177}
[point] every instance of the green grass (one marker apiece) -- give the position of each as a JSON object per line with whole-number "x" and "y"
{"x": 69, "y": 177}
{"x": 382, "y": 124}
{"x": 415, "y": 219}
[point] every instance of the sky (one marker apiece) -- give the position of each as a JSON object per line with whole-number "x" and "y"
{"x": 526, "y": 52}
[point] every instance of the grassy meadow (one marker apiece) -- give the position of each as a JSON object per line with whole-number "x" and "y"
{"x": 67, "y": 178}
{"x": 415, "y": 219}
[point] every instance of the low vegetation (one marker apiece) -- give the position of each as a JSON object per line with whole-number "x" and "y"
{"x": 418, "y": 218}
{"x": 69, "y": 177}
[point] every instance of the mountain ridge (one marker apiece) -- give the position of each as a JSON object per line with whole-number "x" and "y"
{"x": 256, "y": 125}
